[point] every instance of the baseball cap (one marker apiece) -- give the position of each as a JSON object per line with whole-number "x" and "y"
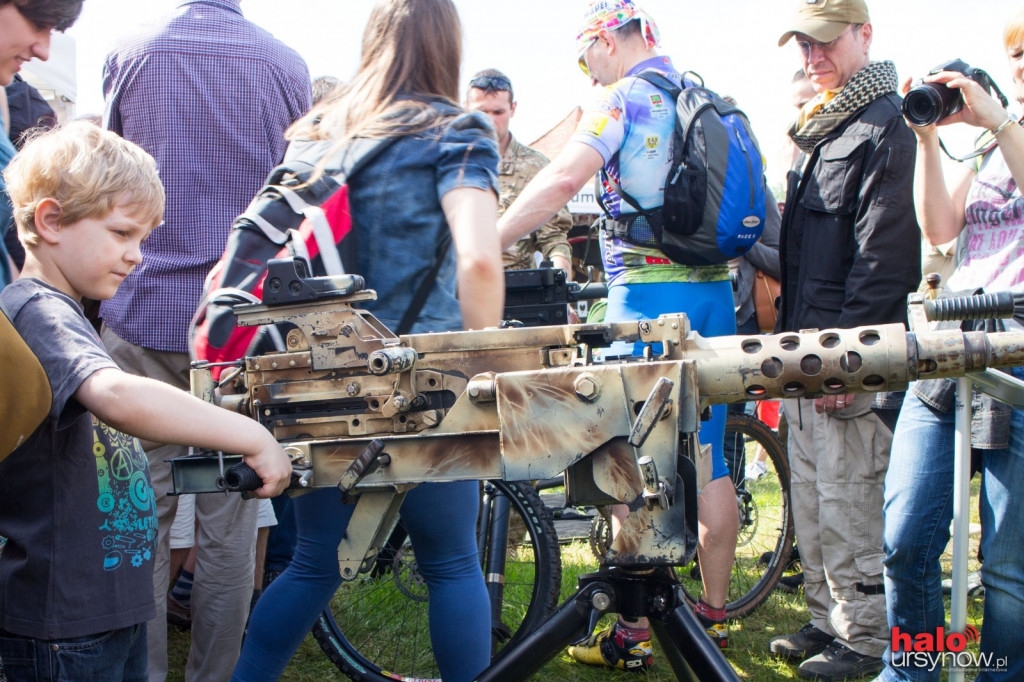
{"x": 609, "y": 15}
{"x": 825, "y": 20}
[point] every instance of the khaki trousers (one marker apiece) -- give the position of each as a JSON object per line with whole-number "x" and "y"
{"x": 838, "y": 466}
{"x": 226, "y": 537}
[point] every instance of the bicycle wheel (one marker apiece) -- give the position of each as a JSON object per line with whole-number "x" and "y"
{"x": 376, "y": 625}
{"x": 765, "y": 536}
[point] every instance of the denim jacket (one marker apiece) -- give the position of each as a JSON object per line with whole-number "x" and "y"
{"x": 398, "y": 221}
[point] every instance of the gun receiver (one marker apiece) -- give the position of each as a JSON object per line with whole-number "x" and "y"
{"x": 532, "y": 403}
{"x": 540, "y": 297}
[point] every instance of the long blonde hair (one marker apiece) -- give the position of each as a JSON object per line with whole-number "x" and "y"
{"x": 410, "y": 48}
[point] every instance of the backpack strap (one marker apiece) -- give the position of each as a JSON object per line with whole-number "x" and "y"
{"x": 426, "y": 286}
{"x": 662, "y": 82}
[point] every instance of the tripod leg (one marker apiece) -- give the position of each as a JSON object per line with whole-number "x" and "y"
{"x": 689, "y": 650}
{"x": 547, "y": 641}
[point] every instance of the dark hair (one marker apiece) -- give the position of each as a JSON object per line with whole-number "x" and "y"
{"x": 57, "y": 15}
{"x": 486, "y": 80}
{"x": 799, "y": 75}
{"x": 631, "y": 29}
{"x": 411, "y": 51}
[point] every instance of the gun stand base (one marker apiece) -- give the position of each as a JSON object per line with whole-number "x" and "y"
{"x": 654, "y": 593}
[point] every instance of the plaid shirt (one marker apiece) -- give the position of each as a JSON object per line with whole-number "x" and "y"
{"x": 209, "y": 95}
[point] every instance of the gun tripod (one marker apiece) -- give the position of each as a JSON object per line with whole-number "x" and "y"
{"x": 651, "y": 592}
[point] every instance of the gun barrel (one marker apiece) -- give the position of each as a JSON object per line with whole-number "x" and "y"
{"x": 833, "y": 361}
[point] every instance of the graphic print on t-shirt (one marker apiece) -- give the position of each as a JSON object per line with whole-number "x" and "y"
{"x": 125, "y": 498}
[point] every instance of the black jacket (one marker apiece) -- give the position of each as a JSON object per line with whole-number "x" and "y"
{"x": 850, "y": 245}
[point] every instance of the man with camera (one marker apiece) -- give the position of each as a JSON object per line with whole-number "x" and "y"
{"x": 850, "y": 251}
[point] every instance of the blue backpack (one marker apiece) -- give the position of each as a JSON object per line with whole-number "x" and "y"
{"x": 714, "y": 205}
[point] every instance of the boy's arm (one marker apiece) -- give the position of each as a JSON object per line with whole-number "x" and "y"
{"x": 156, "y": 411}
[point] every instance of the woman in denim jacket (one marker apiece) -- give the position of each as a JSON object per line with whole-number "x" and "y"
{"x": 435, "y": 180}
{"x": 986, "y": 207}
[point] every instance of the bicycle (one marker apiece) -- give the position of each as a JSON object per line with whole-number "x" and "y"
{"x": 765, "y": 537}
{"x": 520, "y": 559}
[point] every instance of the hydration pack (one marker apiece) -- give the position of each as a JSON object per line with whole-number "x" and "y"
{"x": 289, "y": 217}
{"x": 714, "y": 202}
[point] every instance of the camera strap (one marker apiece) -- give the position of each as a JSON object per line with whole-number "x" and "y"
{"x": 986, "y": 142}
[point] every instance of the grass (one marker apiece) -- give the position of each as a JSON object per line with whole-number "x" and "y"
{"x": 748, "y": 650}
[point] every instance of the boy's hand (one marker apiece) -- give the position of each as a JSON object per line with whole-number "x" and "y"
{"x": 274, "y": 469}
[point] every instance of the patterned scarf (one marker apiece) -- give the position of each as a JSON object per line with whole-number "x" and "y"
{"x": 830, "y": 109}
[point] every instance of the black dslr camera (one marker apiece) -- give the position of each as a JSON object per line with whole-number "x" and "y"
{"x": 929, "y": 103}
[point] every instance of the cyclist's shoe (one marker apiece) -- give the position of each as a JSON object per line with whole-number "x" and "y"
{"x": 609, "y": 648}
{"x": 810, "y": 641}
{"x": 719, "y": 634}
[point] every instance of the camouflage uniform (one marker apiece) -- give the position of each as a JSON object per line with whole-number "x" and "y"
{"x": 519, "y": 164}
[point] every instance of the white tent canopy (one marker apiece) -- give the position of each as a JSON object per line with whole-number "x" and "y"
{"x": 55, "y": 78}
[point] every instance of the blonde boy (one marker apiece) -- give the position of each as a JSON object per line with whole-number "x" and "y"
{"x": 77, "y": 524}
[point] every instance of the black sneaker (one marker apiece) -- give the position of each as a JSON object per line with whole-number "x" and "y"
{"x": 810, "y": 641}
{"x": 839, "y": 662}
{"x": 792, "y": 565}
{"x": 791, "y": 583}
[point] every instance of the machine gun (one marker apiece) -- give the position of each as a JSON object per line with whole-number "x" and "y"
{"x": 539, "y": 297}
{"x": 374, "y": 414}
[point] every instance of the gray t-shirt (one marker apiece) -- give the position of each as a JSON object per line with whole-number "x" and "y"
{"x": 77, "y": 519}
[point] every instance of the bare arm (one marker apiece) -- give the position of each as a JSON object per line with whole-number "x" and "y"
{"x": 549, "y": 191}
{"x": 156, "y": 411}
{"x": 940, "y": 213}
{"x": 471, "y": 215}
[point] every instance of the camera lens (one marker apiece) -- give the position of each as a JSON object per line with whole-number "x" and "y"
{"x": 929, "y": 103}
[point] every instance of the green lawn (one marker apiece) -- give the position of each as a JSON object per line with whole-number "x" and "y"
{"x": 748, "y": 651}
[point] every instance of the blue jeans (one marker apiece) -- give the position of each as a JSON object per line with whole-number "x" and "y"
{"x": 281, "y": 539}
{"x": 114, "y": 656}
{"x": 918, "y": 510}
{"x": 709, "y": 308}
{"x": 441, "y": 521}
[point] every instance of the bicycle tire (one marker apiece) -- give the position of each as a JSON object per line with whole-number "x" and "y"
{"x": 766, "y": 524}
{"x": 389, "y": 639}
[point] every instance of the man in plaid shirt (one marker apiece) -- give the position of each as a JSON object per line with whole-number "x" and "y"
{"x": 209, "y": 95}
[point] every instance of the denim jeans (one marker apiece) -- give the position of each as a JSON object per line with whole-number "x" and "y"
{"x": 114, "y": 656}
{"x": 918, "y": 510}
{"x": 441, "y": 521}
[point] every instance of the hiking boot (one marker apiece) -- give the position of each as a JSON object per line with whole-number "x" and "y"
{"x": 839, "y": 662}
{"x": 791, "y": 583}
{"x": 719, "y": 634}
{"x": 178, "y": 614}
{"x": 609, "y": 648}
{"x": 810, "y": 641}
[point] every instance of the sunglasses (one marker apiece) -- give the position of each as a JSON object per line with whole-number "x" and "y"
{"x": 583, "y": 58}
{"x": 491, "y": 83}
{"x": 807, "y": 45}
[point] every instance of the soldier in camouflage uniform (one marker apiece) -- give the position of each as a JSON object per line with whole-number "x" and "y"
{"x": 519, "y": 163}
